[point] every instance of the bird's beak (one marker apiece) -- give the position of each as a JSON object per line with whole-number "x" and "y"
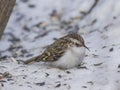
{"x": 86, "y": 48}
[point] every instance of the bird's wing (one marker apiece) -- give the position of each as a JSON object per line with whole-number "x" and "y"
{"x": 55, "y": 50}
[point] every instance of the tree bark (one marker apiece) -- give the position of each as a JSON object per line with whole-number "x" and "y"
{"x": 6, "y": 7}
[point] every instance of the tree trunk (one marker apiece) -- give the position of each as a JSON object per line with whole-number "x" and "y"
{"x": 6, "y": 7}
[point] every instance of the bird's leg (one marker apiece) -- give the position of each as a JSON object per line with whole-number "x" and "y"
{"x": 81, "y": 66}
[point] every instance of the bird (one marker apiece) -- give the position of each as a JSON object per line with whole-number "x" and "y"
{"x": 65, "y": 53}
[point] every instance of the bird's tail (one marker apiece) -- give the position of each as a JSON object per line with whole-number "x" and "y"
{"x": 32, "y": 60}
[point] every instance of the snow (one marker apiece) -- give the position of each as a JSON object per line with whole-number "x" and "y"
{"x": 23, "y": 39}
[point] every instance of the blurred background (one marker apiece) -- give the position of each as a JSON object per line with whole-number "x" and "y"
{"x": 35, "y": 24}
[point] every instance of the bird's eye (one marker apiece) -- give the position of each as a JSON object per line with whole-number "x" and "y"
{"x": 77, "y": 44}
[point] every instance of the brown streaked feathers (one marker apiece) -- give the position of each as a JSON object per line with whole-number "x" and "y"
{"x": 57, "y": 49}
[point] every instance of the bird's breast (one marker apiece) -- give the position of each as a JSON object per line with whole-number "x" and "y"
{"x": 72, "y": 57}
{"x": 78, "y": 51}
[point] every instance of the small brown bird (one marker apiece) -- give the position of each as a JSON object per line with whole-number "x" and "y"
{"x": 66, "y": 52}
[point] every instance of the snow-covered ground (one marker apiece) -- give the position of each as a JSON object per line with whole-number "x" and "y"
{"x": 34, "y": 24}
